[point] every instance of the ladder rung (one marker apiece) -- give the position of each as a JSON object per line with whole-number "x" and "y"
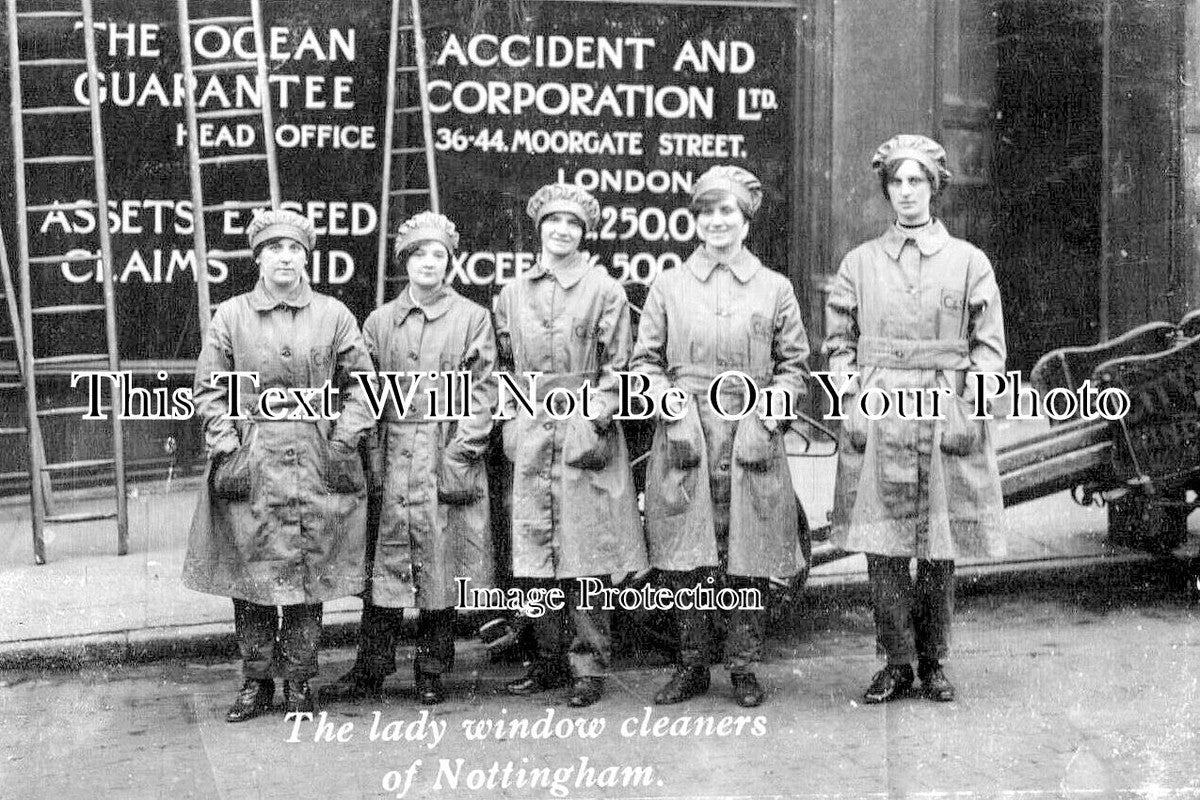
{"x": 9, "y": 385}
{"x": 6, "y": 339}
{"x": 75, "y": 308}
{"x": 63, "y": 259}
{"x": 70, "y": 411}
{"x": 239, "y": 159}
{"x": 401, "y": 151}
{"x": 13, "y": 431}
{"x": 237, "y": 205}
{"x": 53, "y": 62}
{"x": 78, "y": 205}
{"x": 49, "y": 14}
{"x": 48, "y": 110}
{"x": 406, "y": 27}
{"x": 243, "y": 253}
{"x": 74, "y": 358}
{"x": 82, "y": 516}
{"x": 408, "y": 110}
{"x": 228, "y": 113}
{"x": 410, "y": 68}
{"x": 85, "y": 464}
{"x": 225, "y": 66}
{"x": 220, "y": 20}
{"x": 399, "y": 192}
{"x": 60, "y": 160}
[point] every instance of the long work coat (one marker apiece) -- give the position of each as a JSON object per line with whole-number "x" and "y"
{"x": 701, "y": 320}
{"x": 915, "y": 311}
{"x": 434, "y": 524}
{"x": 292, "y": 529}
{"x": 574, "y": 509}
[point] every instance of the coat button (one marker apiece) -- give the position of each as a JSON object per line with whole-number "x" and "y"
{"x": 549, "y": 426}
{"x": 286, "y": 352}
{"x": 412, "y": 355}
{"x": 548, "y": 324}
{"x": 289, "y": 452}
{"x": 405, "y": 454}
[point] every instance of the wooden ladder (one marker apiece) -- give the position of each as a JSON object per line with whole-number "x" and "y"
{"x": 217, "y": 166}
{"x": 55, "y": 319}
{"x": 404, "y": 142}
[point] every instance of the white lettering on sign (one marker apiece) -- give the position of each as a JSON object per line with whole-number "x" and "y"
{"x": 621, "y": 100}
{"x": 554, "y": 52}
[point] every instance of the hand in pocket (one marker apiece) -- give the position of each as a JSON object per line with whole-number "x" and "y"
{"x": 231, "y": 475}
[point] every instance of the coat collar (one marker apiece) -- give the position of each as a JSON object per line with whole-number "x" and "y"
{"x": 743, "y": 265}
{"x": 435, "y": 307}
{"x": 262, "y": 300}
{"x": 929, "y": 240}
{"x": 567, "y": 274}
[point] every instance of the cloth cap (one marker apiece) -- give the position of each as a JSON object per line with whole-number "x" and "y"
{"x": 276, "y": 222}
{"x": 738, "y": 182}
{"x": 922, "y": 149}
{"x": 568, "y": 197}
{"x": 423, "y": 227}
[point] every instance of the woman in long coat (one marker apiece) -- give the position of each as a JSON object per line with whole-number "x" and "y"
{"x": 720, "y": 509}
{"x": 434, "y": 525}
{"x": 574, "y": 511}
{"x": 281, "y": 517}
{"x": 914, "y": 310}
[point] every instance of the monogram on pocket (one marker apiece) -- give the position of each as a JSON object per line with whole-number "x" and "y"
{"x": 583, "y": 328}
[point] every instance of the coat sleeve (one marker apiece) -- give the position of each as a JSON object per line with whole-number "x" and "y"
{"x": 212, "y": 397}
{"x": 789, "y": 347}
{"x": 650, "y": 353}
{"x": 352, "y": 358}
{"x": 479, "y": 359}
{"x": 841, "y": 326}
{"x": 506, "y": 359}
{"x": 985, "y": 328}
{"x": 614, "y": 343}
{"x": 985, "y": 325}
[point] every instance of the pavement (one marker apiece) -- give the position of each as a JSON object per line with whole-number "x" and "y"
{"x": 86, "y": 603}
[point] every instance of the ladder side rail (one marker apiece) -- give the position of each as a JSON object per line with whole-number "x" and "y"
{"x": 426, "y": 114}
{"x": 199, "y": 232}
{"x": 38, "y": 480}
{"x": 106, "y": 250}
{"x": 36, "y": 467}
{"x": 389, "y": 128}
{"x": 264, "y": 94}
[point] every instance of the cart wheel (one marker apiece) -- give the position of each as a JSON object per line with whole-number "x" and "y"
{"x": 1156, "y": 526}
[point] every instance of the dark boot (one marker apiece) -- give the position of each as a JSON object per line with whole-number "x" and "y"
{"x": 353, "y": 686}
{"x": 686, "y": 682}
{"x": 934, "y": 682}
{"x": 891, "y": 682}
{"x": 586, "y": 691}
{"x": 253, "y": 699}
{"x": 542, "y": 676}
{"x": 747, "y": 691}
{"x": 297, "y": 698}
{"x": 429, "y": 688}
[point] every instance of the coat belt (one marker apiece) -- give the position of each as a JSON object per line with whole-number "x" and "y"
{"x": 882, "y": 351}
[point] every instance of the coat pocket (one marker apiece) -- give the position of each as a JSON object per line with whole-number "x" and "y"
{"x": 685, "y": 440}
{"x": 343, "y": 469}
{"x": 753, "y": 445}
{"x": 231, "y": 475}
{"x": 962, "y": 434}
{"x": 584, "y": 447}
{"x": 855, "y": 424}
{"x": 459, "y": 480}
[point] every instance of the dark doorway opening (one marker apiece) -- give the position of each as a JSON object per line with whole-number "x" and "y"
{"x": 1048, "y": 173}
